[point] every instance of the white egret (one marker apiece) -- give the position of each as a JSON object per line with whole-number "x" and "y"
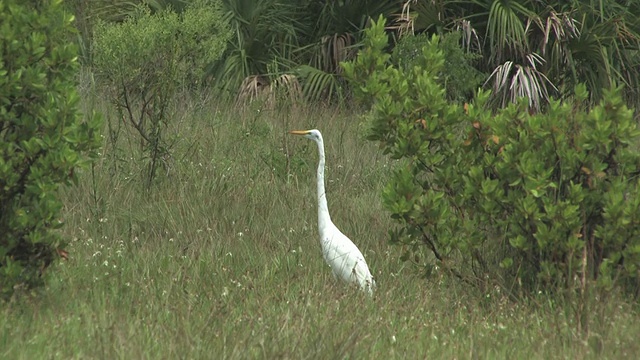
{"x": 342, "y": 255}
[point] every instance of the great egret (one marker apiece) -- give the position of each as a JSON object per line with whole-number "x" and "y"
{"x": 342, "y": 255}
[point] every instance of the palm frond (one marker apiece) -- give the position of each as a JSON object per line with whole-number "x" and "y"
{"x": 285, "y": 88}
{"x": 512, "y": 81}
{"x": 336, "y": 48}
{"x": 470, "y": 38}
{"x": 264, "y": 31}
{"x": 318, "y": 84}
{"x": 254, "y": 87}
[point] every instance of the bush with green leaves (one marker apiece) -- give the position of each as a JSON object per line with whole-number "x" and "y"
{"x": 552, "y": 198}
{"x": 42, "y": 135}
{"x": 459, "y": 77}
{"x": 145, "y": 62}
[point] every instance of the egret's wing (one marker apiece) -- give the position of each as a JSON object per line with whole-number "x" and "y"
{"x": 345, "y": 259}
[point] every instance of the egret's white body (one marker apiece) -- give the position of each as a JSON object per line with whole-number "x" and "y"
{"x": 342, "y": 255}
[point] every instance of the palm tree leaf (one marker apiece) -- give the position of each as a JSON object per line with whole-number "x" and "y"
{"x": 317, "y": 84}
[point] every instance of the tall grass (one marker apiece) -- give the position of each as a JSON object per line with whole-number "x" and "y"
{"x": 222, "y": 260}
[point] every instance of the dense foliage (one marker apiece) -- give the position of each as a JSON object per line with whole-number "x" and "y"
{"x": 145, "y": 61}
{"x": 552, "y": 198}
{"x": 42, "y": 136}
{"x": 536, "y": 49}
{"x": 459, "y": 76}
{"x": 540, "y": 49}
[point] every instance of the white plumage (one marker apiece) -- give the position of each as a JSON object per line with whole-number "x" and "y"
{"x": 342, "y": 255}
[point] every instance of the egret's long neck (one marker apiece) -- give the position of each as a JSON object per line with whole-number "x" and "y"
{"x": 323, "y": 209}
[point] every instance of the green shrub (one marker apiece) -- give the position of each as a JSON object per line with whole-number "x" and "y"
{"x": 551, "y": 198}
{"x": 459, "y": 77}
{"x": 42, "y": 135}
{"x": 148, "y": 59}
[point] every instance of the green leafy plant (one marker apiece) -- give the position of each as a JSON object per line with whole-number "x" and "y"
{"x": 42, "y": 136}
{"x": 145, "y": 61}
{"x": 460, "y": 78}
{"x": 264, "y": 32}
{"x": 552, "y": 198}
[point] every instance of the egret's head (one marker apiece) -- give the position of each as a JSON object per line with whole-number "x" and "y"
{"x": 314, "y": 134}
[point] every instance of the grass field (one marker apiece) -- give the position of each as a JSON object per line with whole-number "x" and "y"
{"x": 221, "y": 260}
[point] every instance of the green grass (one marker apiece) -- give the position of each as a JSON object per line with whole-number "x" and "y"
{"x": 222, "y": 260}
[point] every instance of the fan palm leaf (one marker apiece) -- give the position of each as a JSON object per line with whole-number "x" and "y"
{"x": 318, "y": 84}
{"x": 512, "y": 81}
{"x": 265, "y": 31}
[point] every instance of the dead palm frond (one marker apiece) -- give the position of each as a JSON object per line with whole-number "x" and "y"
{"x": 403, "y": 23}
{"x": 254, "y": 87}
{"x": 512, "y": 81}
{"x": 562, "y": 26}
{"x": 470, "y": 39}
{"x": 285, "y": 88}
{"x": 336, "y": 48}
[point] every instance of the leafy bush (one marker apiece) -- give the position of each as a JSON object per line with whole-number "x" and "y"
{"x": 147, "y": 59}
{"x": 459, "y": 76}
{"x": 42, "y": 135}
{"x": 552, "y": 198}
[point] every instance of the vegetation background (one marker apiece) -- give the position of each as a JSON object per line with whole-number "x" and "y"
{"x": 214, "y": 253}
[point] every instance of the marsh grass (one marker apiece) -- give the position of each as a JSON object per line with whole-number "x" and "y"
{"x": 221, "y": 260}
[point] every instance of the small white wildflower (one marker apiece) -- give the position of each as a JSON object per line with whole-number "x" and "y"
{"x": 240, "y": 234}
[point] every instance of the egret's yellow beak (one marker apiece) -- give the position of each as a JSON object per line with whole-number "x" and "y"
{"x": 299, "y": 132}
